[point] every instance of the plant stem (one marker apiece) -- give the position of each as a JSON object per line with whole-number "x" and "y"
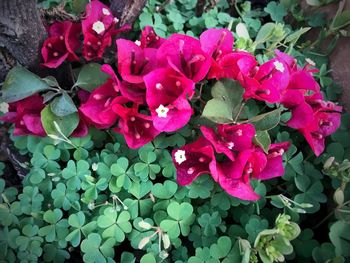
{"x": 239, "y": 112}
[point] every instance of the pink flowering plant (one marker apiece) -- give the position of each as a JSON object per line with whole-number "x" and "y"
{"x": 181, "y": 119}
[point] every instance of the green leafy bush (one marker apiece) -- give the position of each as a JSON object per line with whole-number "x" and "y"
{"x": 95, "y": 199}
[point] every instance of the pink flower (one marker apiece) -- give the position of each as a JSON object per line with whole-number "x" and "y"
{"x": 192, "y": 160}
{"x": 216, "y": 42}
{"x": 137, "y": 128}
{"x": 230, "y": 138}
{"x": 184, "y": 54}
{"x": 326, "y": 120}
{"x": 166, "y": 95}
{"x": 98, "y": 108}
{"x": 149, "y": 38}
{"x": 63, "y": 41}
{"x": 134, "y": 62}
{"x": 25, "y": 114}
{"x": 134, "y": 92}
{"x": 98, "y": 29}
{"x": 94, "y": 46}
{"x": 234, "y": 65}
{"x": 274, "y": 166}
{"x": 235, "y": 179}
{"x": 300, "y": 78}
{"x": 302, "y": 112}
{"x": 269, "y": 82}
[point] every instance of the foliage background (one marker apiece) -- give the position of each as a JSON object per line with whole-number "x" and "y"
{"x": 86, "y": 198}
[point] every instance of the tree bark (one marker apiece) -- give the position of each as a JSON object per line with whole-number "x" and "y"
{"x": 127, "y": 11}
{"x": 21, "y": 33}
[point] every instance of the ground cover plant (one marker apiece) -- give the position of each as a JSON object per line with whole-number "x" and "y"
{"x": 208, "y": 132}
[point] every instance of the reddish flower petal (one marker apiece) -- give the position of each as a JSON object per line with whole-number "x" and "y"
{"x": 219, "y": 144}
{"x": 184, "y": 54}
{"x": 192, "y": 160}
{"x": 168, "y": 90}
{"x": 149, "y": 38}
{"x": 25, "y": 114}
{"x": 134, "y": 62}
{"x": 54, "y": 52}
{"x": 137, "y": 128}
{"x": 238, "y": 188}
{"x": 98, "y": 108}
{"x": 274, "y": 166}
{"x": 240, "y": 135}
{"x": 216, "y": 42}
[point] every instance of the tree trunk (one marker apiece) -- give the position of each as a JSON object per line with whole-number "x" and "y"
{"x": 22, "y": 32}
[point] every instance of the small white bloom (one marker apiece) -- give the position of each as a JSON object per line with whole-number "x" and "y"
{"x": 279, "y": 66}
{"x": 4, "y": 107}
{"x": 106, "y": 12}
{"x": 94, "y": 167}
{"x": 162, "y": 111}
{"x": 116, "y": 20}
{"x": 159, "y": 86}
{"x": 98, "y": 27}
{"x": 180, "y": 156}
{"x": 138, "y": 42}
{"x": 310, "y": 61}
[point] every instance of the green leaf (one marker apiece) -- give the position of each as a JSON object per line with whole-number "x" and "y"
{"x": 276, "y": 11}
{"x": 294, "y": 37}
{"x": 341, "y": 20}
{"x": 339, "y": 235}
{"x": 164, "y": 191}
{"x": 78, "y": 6}
{"x": 20, "y": 83}
{"x": 63, "y": 105}
{"x": 227, "y": 96}
{"x": 66, "y": 124}
{"x": 222, "y": 248}
{"x": 267, "y": 121}
{"x": 217, "y": 111}
{"x": 262, "y": 139}
{"x": 180, "y": 211}
{"x": 265, "y": 33}
{"x": 148, "y": 258}
{"x": 90, "y": 77}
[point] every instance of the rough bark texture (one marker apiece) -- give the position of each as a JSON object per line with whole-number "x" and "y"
{"x": 340, "y": 64}
{"x": 21, "y": 32}
{"x": 127, "y": 10}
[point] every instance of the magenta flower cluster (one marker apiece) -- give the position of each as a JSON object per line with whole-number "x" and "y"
{"x": 155, "y": 84}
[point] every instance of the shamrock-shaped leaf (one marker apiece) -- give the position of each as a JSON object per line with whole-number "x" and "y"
{"x": 95, "y": 251}
{"x": 114, "y": 225}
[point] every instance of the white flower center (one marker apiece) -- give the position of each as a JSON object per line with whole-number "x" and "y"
{"x": 180, "y": 156}
{"x": 162, "y": 111}
{"x": 138, "y": 42}
{"x": 159, "y": 86}
{"x": 106, "y": 12}
{"x": 98, "y": 27}
{"x": 116, "y": 20}
{"x": 279, "y": 66}
{"x": 94, "y": 167}
{"x": 4, "y": 107}
{"x": 230, "y": 145}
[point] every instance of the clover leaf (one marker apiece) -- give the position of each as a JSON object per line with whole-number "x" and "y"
{"x": 65, "y": 198}
{"x": 56, "y": 228}
{"x": 95, "y": 251}
{"x": 114, "y": 225}
{"x": 181, "y": 217}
